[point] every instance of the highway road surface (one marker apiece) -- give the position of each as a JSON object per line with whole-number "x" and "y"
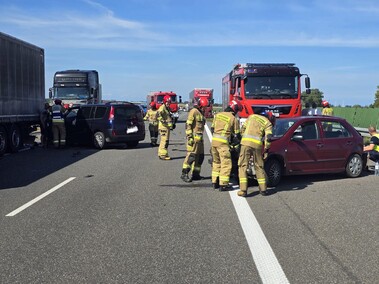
{"x": 121, "y": 215}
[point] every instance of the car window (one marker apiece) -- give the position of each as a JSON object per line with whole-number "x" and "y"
{"x": 72, "y": 113}
{"x": 126, "y": 112}
{"x": 334, "y": 129}
{"x": 84, "y": 112}
{"x": 100, "y": 111}
{"x": 308, "y": 130}
{"x": 281, "y": 127}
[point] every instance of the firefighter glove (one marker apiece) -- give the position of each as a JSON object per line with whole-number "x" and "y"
{"x": 190, "y": 140}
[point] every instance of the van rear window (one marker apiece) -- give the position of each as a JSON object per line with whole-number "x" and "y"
{"x": 125, "y": 112}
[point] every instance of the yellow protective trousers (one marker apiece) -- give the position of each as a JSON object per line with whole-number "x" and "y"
{"x": 195, "y": 157}
{"x": 222, "y": 164}
{"x": 165, "y": 139}
{"x": 245, "y": 154}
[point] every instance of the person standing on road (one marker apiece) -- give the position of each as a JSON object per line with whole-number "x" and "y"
{"x": 59, "y": 129}
{"x": 314, "y": 110}
{"x": 151, "y": 116}
{"x": 306, "y": 110}
{"x": 326, "y": 109}
{"x": 164, "y": 126}
{"x": 45, "y": 118}
{"x": 256, "y": 134}
{"x": 195, "y": 143}
{"x": 225, "y": 128}
{"x": 373, "y": 147}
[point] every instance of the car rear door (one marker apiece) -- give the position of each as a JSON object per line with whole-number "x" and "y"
{"x": 302, "y": 154}
{"x": 338, "y": 144}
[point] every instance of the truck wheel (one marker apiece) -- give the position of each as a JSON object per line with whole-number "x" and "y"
{"x": 273, "y": 170}
{"x": 99, "y": 140}
{"x": 3, "y": 141}
{"x": 15, "y": 140}
{"x": 354, "y": 166}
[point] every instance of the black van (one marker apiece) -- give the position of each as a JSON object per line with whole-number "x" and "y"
{"x": 100, "y": 124}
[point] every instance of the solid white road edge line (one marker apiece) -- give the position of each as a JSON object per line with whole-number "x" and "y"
{"x": 31, "y": 202}
{"x": 265, "y": 260}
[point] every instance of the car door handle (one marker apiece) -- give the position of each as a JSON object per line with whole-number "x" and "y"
{"x": 349, "y": 143}
{"x": 320, "y": 145}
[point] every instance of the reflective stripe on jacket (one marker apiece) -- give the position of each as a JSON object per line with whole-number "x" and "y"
{"x": 255, "y": 131}
{"x": 224, "y": 125}
{"x": 57, "y": 113}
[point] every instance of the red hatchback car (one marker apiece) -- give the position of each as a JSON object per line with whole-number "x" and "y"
{"x": 314, "y": 145}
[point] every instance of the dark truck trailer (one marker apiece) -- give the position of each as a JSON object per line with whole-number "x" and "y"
{"x": 22, "y": 90}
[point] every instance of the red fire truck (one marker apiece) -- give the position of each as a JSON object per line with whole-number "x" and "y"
{"x": 265, "y": 88}
{"x": 157, "y": 97}
{"x": 202, "y": 93}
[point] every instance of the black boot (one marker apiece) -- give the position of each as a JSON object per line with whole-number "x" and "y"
{"x": 225, "y": 187}
{"x": 215, "y": 185}
{"x": 196, "y": 176}
{"x": 185, "y": 176}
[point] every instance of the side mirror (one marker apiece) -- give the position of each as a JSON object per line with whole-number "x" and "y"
{"x": 180, "y": 99}
{"x": 297, "y": 137}
{"x": 307, "y": 82}
{"x": 50, "y": 93}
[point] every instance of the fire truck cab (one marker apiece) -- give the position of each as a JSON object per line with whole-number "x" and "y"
{"x": 157, "y": 97}
{"x": 265, "y": 87}
{"x": 202, "y": 93}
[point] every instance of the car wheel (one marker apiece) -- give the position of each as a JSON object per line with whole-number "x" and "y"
{"x": 15, "y": 138}
{"x": 3, "y": 141}
{"x": 99, "y": 140}
{"x": 132, "y": 144}
{"x": 273, "y": 170}
{"x": 354, "y": 166}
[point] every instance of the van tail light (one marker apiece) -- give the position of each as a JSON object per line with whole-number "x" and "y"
{"x": 111, "y": 114}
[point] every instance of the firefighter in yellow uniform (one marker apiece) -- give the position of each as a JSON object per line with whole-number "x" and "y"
{"x": 151, "y": 116}
{"x": 59, "y": 128}
{"x": 256, "y": 134}
{"x": 164, "y": 126}
{"x": 326, "y": 109}
{"x": 195, "y": 143}
{"x": 224, "y": 127}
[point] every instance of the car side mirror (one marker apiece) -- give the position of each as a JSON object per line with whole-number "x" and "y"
{"x": 297, "y": 137}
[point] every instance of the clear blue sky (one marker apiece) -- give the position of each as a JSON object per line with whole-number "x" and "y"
{"x": 146, "y": 45}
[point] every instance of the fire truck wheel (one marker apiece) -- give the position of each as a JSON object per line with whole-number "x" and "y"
{"x": 99, "y": 140}
{"x": 273, "y": 170}
{"x": 3, "y": 141}
{"x": 15, "y": 140}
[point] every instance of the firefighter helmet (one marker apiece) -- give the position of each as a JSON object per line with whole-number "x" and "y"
{"x": 166, "y": 99}
{"x": 235, "y": 105}
{"x": 153, "y": 105}
{"x": 57, "y": 101}
{"x": 325, "y": 103}
{"x": 202, "y": 102}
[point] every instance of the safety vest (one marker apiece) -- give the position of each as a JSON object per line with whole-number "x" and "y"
{"x": 195, "y": 124}
{"x": 327, "y": 111}
{"x": 224, "y": 125}
{"x": 376, "y": 146}
{"x": 57, "y": 114}
{"x": 255, "y": 131}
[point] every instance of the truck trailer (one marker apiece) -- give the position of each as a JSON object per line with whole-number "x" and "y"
{"x": 22, "y": 90}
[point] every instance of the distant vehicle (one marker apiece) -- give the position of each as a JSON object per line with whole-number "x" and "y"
{"x": 202, "y": 93}
{"x": 157, "y": 97}
{"x": 101, "y": 124}
{"x": 22, "y": 91}
{"x": 76, "y": 87}
{"x": 143, "y": 108}
{"x": 265, "y": 87}
{"x": 314, "y": 145}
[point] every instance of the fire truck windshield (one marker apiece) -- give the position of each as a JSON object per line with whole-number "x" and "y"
{"x": 271, "y": 87}
{"x": 160, "y": 99}
{"x": 72, "y": 93}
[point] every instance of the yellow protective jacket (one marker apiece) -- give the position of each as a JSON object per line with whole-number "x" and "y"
{"x": 327, "y": 111}
{"x": 255, "y": 131}
{"x": 224, "y": 125}
{"x": 195, "y": 124}
{"x": 151, "y": 116}
{"x": 376, "y": 147}
{"x": 164, "y": 117}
